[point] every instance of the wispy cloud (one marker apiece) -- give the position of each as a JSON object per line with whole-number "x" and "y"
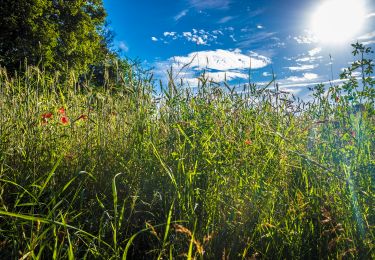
{"x": 354, "y": 73}
{"x": 309, "y": 59}
{"x": 181, "y": 14}
{"x": 232, "y": 37}
{"x": 255, "y": 38}
{"x": 123, "y": 47}
{"x": 266, "y": 74}
{"x": 305, "y": 77}
{"x": 154, "y": 39}
{"x": 306, "y": 38}
{"x": 302, "y": 67}
{"x": 226, "y": 19}
{"x": 210, "y": 4}
{"x": 369, "y": 42}
{"x": 367, "y": 36}
{"x": 251, "y": 13}
{"x": 288, "y": 84}
{"x": 217, "y": 32}
{"x": 315, "y": 51}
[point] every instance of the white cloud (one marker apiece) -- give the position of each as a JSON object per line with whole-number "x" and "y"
{"x": 259, "y": 26}
{"x": 354, "y": 73}
{"x": 302, "y": 67}
{"x": 226, "y": 19}
{"x": 232, "y": 37}
{"x": 367, "y": 36}
{"x": 370, "y": 15}
{"x": 181, "y": 14}
{"x": 218, "y": 65}
{"x": 266, "y": 74}
{"x": 210, "y": 4}
{"x": 122, "y": 46}
{"x": 200, "y": 37}
{"x": 226, "y": 75}
{"x": 368, "y": 42}
{"x": 257, "y": 38}
{"x": 198, "y": 40}
{"x": 222, "y": 60}
{"x": 315, "y": 51}
{"x": 306, "y": 84}
{"x": 169, "y": 34}
{"x": 305, "y": 77}
{"x": 154, "y": 39}
{"x": 195, "y": 38}
{"x": 302, "y": 86}
{"x": 307, "y": 38}
{"x": 309, "y": 59}
{"x": 217, "y": 32}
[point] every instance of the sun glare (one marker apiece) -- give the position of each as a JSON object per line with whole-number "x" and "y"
{"x": 338, "y": 21}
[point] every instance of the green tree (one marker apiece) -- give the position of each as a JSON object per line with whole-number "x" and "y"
{"x": 56, "y": 34}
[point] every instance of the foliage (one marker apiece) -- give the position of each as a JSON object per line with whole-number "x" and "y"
{"x": 250, "y": 173}
{"x": 55, "y": 34}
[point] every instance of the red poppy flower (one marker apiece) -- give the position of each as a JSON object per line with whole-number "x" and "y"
{"x": 64, "y": 120}
{"x": 83, "y": 117}
{"x": 61, "y": 111}
{"x": 47, "y": 116}
{"x": 248, "y": 142}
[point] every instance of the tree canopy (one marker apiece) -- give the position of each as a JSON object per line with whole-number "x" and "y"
{"x": 56, "y": 34}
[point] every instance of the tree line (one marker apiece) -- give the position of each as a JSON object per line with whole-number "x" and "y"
{"x": 57, "y": 35}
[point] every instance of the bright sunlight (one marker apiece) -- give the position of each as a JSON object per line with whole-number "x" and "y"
{"x": 337, "y": 21}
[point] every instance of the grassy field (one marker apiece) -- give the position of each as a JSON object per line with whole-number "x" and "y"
{"x": 251, "y": 172}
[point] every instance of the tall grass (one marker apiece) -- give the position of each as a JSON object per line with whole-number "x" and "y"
{"x": 215, "y": 173}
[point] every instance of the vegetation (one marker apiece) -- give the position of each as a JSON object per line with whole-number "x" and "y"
{"x": 116, "y": 172}
{"x": 54, "y": 34}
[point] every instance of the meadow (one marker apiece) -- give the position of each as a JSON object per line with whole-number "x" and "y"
{"x": 217, "y": 172}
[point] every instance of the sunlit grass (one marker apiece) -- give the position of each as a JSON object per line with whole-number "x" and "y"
{"x": 217, "y": 173}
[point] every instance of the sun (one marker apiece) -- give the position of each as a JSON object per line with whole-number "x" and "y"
{"x": 338, "y": 21}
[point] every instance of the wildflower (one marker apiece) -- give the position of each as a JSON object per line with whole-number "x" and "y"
{"x": 83, "y": 117}
{"x": 64, "y": 120}
{"x": 61, "y": 111}
{"x": 47, "y": 116}
{"x": 248, "y": 142}
{"x": 337, "y": 99}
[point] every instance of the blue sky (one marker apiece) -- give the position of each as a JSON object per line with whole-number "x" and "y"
{"x": 224, "y": 36}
